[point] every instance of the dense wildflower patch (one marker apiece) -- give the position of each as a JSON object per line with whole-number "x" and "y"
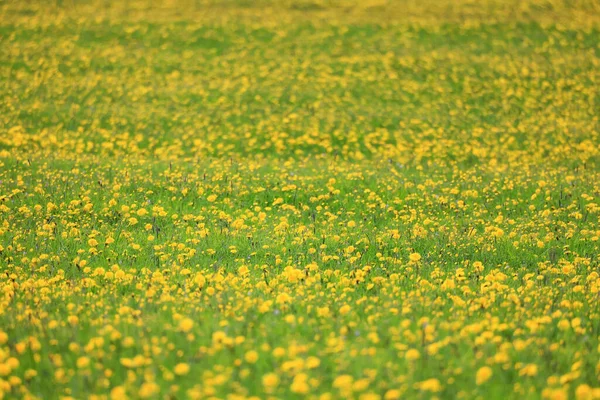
{"x": 321, "y": 199}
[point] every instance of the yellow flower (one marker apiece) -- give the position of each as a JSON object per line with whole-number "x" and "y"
{"x": 483, "y": 374}
{"x": 369, "y": 396}
{"x": 529, "y": 370}
{"x": 360, "y": 385}
{"x": 211, "y": 198}
{"x": 243, "y": 270}
{"x": 345, "y": 309}
{"x": 181, "y": 369}
{"x": 186, "y": 324}
{"x": 83, "y": 362}
{"x": 30, "y": 373}
{"x": 415, "y": 257}
{"x": 251, "y": 357}
{"x": 478, "y": 266}
{"x": 219, "y": 337}
{"x": 343, "y": 382}
{"x": 584, "y": 392}
{"x": 299, "y": 384}
{"x": 200, "y": 279}
{"x": 412, "y": 354}
{"x": 564, "y": 324}
{"x": 554, "y": 394}
{"x": 270, "y": 380}
{"x": 278, "y": 352}
{"x": 283, "y": 298}
{"x": 13, "y": 363}
{"x": 312, "y": 362}
{"x": 148, "y": 389}
{"x": 4, "y": 369}
{"x": 430, "y": 385}
{"x": 392, "y": 394}
{"x": 118, "y": 393}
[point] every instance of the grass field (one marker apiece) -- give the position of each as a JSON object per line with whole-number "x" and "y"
{"x": 300, "y": 199}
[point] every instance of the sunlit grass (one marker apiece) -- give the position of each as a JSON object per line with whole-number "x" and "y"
{"x": 323, "y": 199}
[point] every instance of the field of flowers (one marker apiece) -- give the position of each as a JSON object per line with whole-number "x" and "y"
{"x": 375, "y": 199}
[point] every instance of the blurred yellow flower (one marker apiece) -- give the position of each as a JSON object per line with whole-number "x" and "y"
{"x": 251, "y": 356}
{"x": 483, "y": 375}
{"x": 181, "y": 369}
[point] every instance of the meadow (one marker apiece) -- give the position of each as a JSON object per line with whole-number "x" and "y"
{"x": 288, "y": 199}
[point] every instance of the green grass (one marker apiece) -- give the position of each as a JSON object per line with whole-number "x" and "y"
{"x": 330, "y": 184}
